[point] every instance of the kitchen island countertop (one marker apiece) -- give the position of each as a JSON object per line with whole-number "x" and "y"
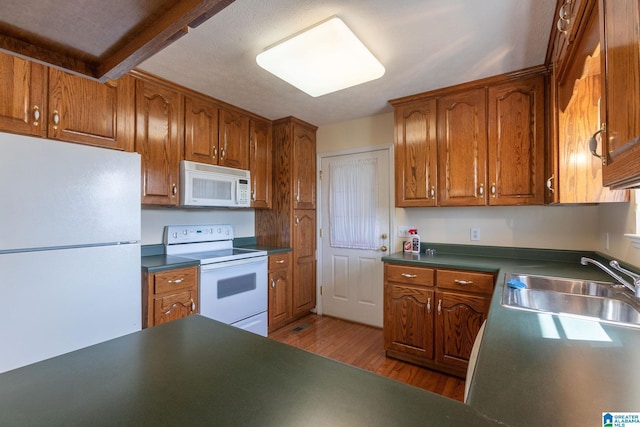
{"x": 196, "y": 371}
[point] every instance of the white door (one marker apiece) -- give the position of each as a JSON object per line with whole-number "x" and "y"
{"x": 351, "y": 279}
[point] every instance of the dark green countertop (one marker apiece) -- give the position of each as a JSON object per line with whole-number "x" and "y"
{"x": 540, "y": 369}
{"x": 196, "y": 371}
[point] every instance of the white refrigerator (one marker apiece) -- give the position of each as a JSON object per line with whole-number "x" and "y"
{"x": 69, "y": 247}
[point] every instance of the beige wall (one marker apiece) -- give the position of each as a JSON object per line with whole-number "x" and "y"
{"x": 580, "y": 227}
{"x": 154, "y": 219}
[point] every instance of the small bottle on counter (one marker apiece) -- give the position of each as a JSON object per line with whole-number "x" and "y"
{"x": 415, "y": 241}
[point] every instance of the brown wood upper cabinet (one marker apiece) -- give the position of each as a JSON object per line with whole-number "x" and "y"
{"x": 304, "y": 168}
{"x": 233, "y": 139}
{"x": 462, "y": 148}
{"x": 516, "y": 142}
{"x": 23, "y": 96}
{"x": 261, "y": 163}
{"x": 158, "y": 139}
{"x": 488, "y": 138}
{"x": 575, "y": 101}
{"x": 65, "y": 106}
{"x": 416, "y": 153}
{"x": 200, "y": 130}
{"x": 215, "y": 135}
{"x": 620, "y": 105}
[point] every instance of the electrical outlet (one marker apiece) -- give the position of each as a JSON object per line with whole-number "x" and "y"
{"x": 475, "y": 234}
{"x": 403, "y": 230}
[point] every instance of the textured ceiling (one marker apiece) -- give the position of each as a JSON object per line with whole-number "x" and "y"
{"x": 423, "y": 44}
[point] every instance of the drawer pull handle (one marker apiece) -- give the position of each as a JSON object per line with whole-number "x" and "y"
{"x": 177, "y": 281}
{"x": 429, "y": 305}
{"x": 439, "y": 306}
{"x": 409, "y": 276}
{"x": 193, "y": 305}
{"x": 273, "y": 283}
{"x": 280, "y": 261}
{"x": 463, "y": 282}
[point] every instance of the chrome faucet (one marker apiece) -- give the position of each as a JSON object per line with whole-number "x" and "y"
{"x": 635, "y": 287}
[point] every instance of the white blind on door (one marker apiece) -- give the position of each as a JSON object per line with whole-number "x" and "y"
{"x": 353, "y": 197}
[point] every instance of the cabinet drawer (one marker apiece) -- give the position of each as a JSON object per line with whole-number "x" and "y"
{"x": 279, "y": 260}
{"x": 407, "y": 274}
{"x": 466, "y": 281}
{"x": 170, "y": 280}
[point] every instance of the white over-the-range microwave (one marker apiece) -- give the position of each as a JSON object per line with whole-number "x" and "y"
{"x": 203, "y": 185}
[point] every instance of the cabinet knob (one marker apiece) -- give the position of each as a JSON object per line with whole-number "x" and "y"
{"x": 492, "y": 189}
{"x": 36, "y": 115}
{"x": 273, "y": 283}
{"x": 174, "y": 190}
{"x": 215, "y": 152}
{"x": 193, "y": 305}
{"x": 432, "y": 192}
{"x": 429, "y": 305}
{"x": 440, "y": 306}
{"x": 56, "y": 119}
{"x": 481, "y": 190}
{"x": 222, "y": 153}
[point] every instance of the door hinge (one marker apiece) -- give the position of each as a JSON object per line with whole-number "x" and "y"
{"x": 321, "y": 232}
{"x": 321, "y": 289}
{"x": 320, "y": 174}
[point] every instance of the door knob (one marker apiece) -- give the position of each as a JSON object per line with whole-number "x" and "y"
{"x": 383, "y": 248}
{"x": 384, "y": 236}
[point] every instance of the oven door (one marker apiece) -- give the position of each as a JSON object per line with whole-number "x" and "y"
{"x": 232, "y": 291}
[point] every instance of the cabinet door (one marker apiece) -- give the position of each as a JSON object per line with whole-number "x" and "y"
{"x": 88, "y": 112}
{"x": 408, "y": 319}
{"x": 279, "y": 297}
{"x": 462, "y": 149}
{"x": 458, "y": 320}
{"x": 158, "y": 141}
{"x": 416, "y": 154}
{"x": 22, "y": 96}
{"x": 260, "y": 163}
{"x": 619, "y": 26}
{"x": 304, "y": 254}
{"x": 516, "y": 142}
{"x": 233, "y": 140}
{"x": 304, "y": 168}
{"x": 173, "y": 306}
{"x": 200, "y": 131}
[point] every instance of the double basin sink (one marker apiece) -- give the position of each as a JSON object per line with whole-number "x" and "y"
{"x": 602, "y": 301}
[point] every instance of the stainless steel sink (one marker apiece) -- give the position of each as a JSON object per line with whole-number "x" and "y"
{"x": 569, "y": 286}
{"x": 602, "y": 301}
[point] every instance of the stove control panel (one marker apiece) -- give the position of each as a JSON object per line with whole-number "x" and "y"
{"x": 178, "y": 234}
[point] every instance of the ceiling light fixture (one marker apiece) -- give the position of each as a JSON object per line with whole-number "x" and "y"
{"x": 322, "y": 59}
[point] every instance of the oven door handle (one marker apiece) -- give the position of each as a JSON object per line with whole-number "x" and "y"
{"x": 233, "y": 263}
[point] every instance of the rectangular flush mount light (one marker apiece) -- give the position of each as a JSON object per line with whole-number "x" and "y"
{"x": 322, "y": 59}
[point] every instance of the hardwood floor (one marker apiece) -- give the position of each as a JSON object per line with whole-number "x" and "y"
{"x": 362, "y": 346}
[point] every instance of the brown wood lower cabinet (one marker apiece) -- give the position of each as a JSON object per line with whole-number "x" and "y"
{"x": 280, "y": 287}
{"x": 432, "y": 316}
{"x": 169, "y": 295}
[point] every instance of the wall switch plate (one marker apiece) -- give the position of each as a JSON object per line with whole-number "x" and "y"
{"x": 403, "y": 230}
{"x": 475, "y": 234}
